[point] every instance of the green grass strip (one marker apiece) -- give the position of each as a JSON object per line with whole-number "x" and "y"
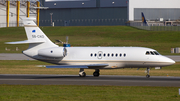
{"x": 86, "y": 93}
{"x": 30, "y": 67}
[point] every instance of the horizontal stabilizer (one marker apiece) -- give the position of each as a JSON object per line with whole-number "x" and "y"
{"x": 25, "y": 42}
{"x": 77, "y": 66}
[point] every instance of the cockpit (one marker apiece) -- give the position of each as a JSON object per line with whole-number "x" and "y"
{"x": 152, "y": 53}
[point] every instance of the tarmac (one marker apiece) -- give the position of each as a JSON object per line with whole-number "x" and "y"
{"x": 17, "y": 79}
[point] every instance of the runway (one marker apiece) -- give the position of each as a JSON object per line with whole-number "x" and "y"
{"x": 89, "y": 80}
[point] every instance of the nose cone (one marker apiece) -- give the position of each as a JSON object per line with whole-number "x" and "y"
{"x": 167, "y": 61}
{"x": 170, "y": 61}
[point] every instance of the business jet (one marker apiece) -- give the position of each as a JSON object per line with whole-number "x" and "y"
{"x": 41, "y": 48}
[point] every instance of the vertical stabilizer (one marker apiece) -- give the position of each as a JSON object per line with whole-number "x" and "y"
{"x": 36, "y": 38}
{"x": 35, "y": 35}
{"x": 33, "y": 32}
{"x": 144, "y": 19}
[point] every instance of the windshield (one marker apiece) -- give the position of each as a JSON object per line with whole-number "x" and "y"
{"x": 152, "y": 53}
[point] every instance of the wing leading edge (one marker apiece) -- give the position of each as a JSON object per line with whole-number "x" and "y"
{"x": 77, "y": 66}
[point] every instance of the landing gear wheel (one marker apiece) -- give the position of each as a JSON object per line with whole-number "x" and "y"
{"x": 96, "y": 73}
{"x": 148, "y": 70}
{"x": 82, "y": 74}
{"x": 147, "y": 76}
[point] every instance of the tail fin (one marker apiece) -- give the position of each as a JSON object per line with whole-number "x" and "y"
{"x": 34, "y": 34}
{"x": 143, "y": 19}
{"x": 36, "y": 38}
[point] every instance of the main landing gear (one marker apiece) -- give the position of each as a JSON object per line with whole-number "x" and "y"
{"x": 147, "y": 76}
{"x": 83, "y": 74}
{"x": 96, "y": 73}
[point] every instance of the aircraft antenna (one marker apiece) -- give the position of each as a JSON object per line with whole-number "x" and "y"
{"x": 67, "y": 38}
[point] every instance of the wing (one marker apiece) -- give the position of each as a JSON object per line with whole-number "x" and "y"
{"x": 78, "y": 66}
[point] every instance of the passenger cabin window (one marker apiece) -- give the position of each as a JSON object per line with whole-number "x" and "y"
{"x": 119, "y": 54}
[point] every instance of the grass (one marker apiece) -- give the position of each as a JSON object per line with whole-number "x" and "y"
{"x": 86, "y": 93}
{"x": 162, "y": 41}
{"x": 30, "y": 67}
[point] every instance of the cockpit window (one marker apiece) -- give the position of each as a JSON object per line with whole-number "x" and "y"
{"x": 147, "y": 53}
{"x": 156, "y": 53}
{"x": 151, "y": 53}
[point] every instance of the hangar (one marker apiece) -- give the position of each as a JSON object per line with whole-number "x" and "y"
{"x": 83, "y": 12}
{"x": 106, "y": 12}
{"x": 154, "y": 9}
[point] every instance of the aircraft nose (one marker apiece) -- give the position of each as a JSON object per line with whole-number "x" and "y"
{"x": 169, "y": 61}
{"x": 172, "y": 61}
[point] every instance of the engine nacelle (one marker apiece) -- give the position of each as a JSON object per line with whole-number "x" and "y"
{"x": 57, "y": 52}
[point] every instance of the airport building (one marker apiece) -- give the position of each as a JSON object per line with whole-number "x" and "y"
{"x": 12, "y": 12}
{"x": 106, "y": 12}
{"x": 88, "y": 12}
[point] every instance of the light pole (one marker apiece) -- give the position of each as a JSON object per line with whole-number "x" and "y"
{"x": 51, "y": 19}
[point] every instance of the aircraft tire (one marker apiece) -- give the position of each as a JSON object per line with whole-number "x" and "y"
{"x": 83, "y": 74}
{"x": 147, "y": 76}
{"x": 96, "y": 74}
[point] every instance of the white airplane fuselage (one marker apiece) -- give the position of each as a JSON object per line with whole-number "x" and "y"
{"x": 115, "y": 57}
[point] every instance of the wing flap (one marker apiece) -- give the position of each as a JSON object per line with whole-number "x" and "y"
{"x": 77, "y": 66}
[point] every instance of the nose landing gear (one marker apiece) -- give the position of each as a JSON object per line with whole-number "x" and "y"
{"x": 147, "y": 76}
{"x": 82, "y": 73}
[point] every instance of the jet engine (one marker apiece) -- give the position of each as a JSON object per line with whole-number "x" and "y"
{"x": 57, "y": 52}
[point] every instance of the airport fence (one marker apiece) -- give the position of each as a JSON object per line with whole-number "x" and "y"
{"x": 155, "y": 27}
{"x": 84, "y": 22}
